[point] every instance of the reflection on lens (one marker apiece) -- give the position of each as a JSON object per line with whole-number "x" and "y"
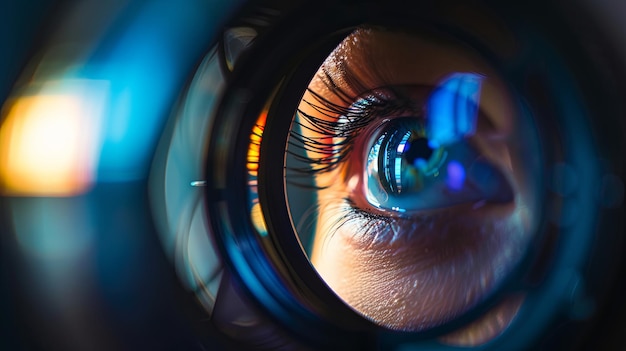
{"x": 488, "y": 326}
{"x": 423, "y": 201}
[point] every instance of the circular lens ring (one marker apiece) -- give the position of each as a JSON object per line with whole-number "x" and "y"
{"x": 247, "y": 100}
{"x": 266, "y": 280}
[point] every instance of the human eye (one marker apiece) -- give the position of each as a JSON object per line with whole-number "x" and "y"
{"x": 414, "y": 164}
{"x": 424, "y": 203}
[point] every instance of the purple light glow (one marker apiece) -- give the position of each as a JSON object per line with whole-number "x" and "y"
{"x": 456, "y": 175}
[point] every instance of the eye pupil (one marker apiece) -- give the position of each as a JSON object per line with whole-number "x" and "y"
{"x": 418, "y": 151}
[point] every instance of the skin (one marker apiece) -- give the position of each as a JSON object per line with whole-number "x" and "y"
{"x": 422, "y": 269}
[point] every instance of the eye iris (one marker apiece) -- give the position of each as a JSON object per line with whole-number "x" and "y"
{"x": 408, "y": 160}
{"x": 407, "y": 170}
{"x": 401, "y": 161}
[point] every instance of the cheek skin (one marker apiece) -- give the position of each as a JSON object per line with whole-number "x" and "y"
{"x": 439, "y": 272}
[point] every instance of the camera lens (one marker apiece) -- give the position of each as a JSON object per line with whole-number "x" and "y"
{"x": 314, "y": 175}
{"x": 406, "y": 176}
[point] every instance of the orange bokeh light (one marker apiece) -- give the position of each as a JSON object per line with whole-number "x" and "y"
{"x": 46, "y": 148}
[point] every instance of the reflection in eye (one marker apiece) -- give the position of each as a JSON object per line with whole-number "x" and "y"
{"x": 408, "y": 168}
{"x": 400, "y": 162}
{"x": 453, "y": 108}
{"x": 422, "y": 189}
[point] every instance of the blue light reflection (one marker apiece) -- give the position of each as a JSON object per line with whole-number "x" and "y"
{"x": 453, "y": 108}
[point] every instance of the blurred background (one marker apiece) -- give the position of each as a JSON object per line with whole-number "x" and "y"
{"x": 86, "y": 88}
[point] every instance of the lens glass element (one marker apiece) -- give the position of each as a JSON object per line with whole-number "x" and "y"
{"x": 417, "y": 174}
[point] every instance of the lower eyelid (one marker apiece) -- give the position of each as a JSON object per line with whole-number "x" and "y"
{"x": 364, "y": 230}
{"x": 460, "y": 228}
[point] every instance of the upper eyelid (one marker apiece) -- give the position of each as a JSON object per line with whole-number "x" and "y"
{"x": 487, "y": 123}
{"x": 333, "y": 138}
{"x": 363, "y": 61}
{"x": 325, "y": 151}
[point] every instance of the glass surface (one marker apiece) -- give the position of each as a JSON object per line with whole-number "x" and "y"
{"x": 423, "y": 196}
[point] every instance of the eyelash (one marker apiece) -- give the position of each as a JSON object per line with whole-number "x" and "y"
{"x": 336, "y": 129}
{"x": 372, "y": 227}
{"x": 337, "y": 126}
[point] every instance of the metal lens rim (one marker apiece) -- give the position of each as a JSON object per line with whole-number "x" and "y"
{"x": 262, "y": 71}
